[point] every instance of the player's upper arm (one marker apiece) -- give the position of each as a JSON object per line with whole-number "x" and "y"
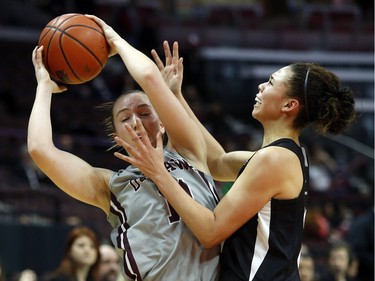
{"x": 257, "y": 184}
{"x": 75, "y": 176}
{"x": 227, "y": 166}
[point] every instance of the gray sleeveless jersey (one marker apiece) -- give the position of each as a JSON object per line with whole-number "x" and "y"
{"x": 150, "y": 237}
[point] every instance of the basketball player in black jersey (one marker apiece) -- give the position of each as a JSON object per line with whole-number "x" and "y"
{"x": 261, "y": 218}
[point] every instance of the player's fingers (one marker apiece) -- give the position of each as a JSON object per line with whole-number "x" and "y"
{"x": 159, "y": 140}
{"x": 96, "y": 19}
{"x": 129, "y": 149}
{"x": 124, "y": 157}
{"x": 61, "y": 89}
{"x": 38, "y": 63}
{"x": 133, "y": 135}
{"x": 175, "y": 51}
{"x": 157, "y": 60}
{"x": 142, "y": 133}
{"x": 37, "y": 54}
{"x": 167, "y": 53}
{"x": 180, "y": 66}
{"x": 33, "y": 56}
{"x": 138, "y": 147}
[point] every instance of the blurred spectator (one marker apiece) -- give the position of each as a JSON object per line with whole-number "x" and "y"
{"x": 81, "y": 257}
{"x": 322, "y": 167}
{"x": 339, "y": 261}
{"x": 307, "y": 267}
{"x": 339, "y": 216}
{"x": 317, "y": 226}
{"x": 305, "y": 249}
{"x": 27, "y": 275}
{"x": 109, "y": 268}
{"x": 361, "y": 239}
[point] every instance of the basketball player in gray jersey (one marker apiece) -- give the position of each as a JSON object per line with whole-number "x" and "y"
{"x": 152, "y": 240}
{"x": 138, "y": 210}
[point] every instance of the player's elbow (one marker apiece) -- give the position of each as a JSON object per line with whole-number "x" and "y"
{"x": 211, "y": 237}
{"x": 33, "y": 147}
{"x": 219, "y": 172}
{"x": 37, "y": 149}
{"x": 210, "y": 242}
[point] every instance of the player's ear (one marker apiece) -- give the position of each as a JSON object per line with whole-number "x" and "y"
{"x": 290, "y": 105}
{"x": 162, "y": 128}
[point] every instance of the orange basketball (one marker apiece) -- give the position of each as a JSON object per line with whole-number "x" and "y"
{"x": 75, "y": 49}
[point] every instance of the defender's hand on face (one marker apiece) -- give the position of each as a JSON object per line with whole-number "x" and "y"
{"x": 142, "y": 154}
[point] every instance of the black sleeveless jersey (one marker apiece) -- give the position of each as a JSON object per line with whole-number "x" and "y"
{"x": 267, "y": 247}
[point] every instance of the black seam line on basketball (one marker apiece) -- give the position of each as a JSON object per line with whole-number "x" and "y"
{"x": 50, "y": 39}
{"x": 66, "y": 60}
{"x": 65, "y": 20}
{"x": 57, "y": 19}
{"x": 52, "y": 27}
{"x": 63, "y": 32}
{"x": 48, "y": 46}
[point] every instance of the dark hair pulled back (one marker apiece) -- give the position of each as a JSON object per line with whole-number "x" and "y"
{"x": 328, "y": 107}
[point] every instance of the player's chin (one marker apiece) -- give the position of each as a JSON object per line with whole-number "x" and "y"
{"x": 255, "y": 111}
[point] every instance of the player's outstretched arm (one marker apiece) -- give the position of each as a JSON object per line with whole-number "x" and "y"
{"x": 183, "y": 133}
{"x": 223, "y": 166}
{"x": 70, "y": 173}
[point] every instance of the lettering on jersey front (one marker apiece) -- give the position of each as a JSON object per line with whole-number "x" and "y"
{"x": 136, "y": 183}
{"x": 174, "y": 164}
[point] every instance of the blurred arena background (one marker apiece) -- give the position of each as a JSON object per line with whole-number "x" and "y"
{"x": 229, "y": 47}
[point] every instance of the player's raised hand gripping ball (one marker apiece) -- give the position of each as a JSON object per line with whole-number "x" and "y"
{"x": 75, "y": 48}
